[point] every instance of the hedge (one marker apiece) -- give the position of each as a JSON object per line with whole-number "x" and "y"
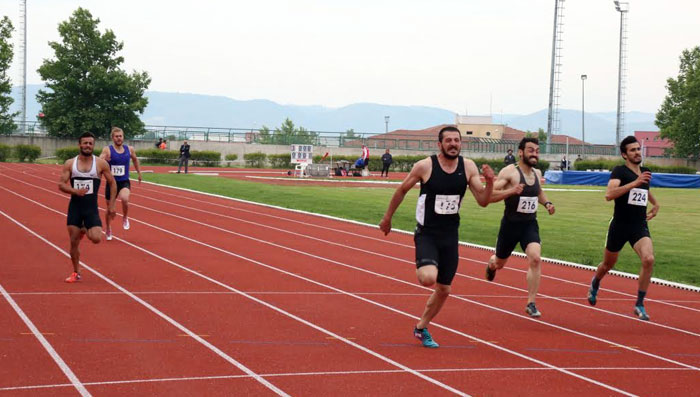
{"x": 27, "y": 152}
{"x": 158, "y": 156}
{"x": 255, "y": 159}
{"x": 231, "y": 157}
{"x": 280, "y": 160}
{"x": 205, "y": 157}
{"x": 5, "y": 152}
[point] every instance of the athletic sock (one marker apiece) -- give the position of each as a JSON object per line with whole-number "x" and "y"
{"x": 595, "y": 283}
{"x": 640, "y": 298}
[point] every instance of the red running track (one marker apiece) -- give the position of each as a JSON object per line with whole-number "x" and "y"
{"x": 211, "y": 296}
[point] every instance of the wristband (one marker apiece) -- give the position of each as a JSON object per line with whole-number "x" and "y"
{"x": 547, "y": 202}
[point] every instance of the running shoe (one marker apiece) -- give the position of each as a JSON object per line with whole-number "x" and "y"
{"x": 641, "y": 313}
{"x": 592, "y": 295}
{"x": 490, "y": 273}
{"x": 108, "y": 234}
{"x": 531, "y": 309}
{"x": 73, "y": 277}
{"x": 126, "y": 224}
{"x": 424, "y": 336}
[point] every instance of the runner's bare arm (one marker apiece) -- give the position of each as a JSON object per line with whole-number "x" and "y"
{"x": 418, "y": 173}
{"x": 614, "y": 189}
{"x": 103, "y": 169}
{"x": 64, "y": 181}
{"x": 542, "y": 197}
{"x": 654, "y": 209}
{"x": 500, "y": 187}
{"x": 481, "y": 194}
{"x": 136, "y": 163}
{"x": 104, "y": 155}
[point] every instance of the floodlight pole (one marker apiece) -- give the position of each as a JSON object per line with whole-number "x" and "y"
{"x": 583, "y": 115}
{"x": 622, "y": 8}
{"x": 386, "y": 123}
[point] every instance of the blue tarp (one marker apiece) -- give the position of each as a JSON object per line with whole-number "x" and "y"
{"x": 602, "y": 178}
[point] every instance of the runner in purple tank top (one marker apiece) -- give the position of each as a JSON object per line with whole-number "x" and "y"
{"x": 119, "y": 156}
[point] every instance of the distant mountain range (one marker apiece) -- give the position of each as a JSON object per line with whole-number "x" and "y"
{"x": 179, "y": 109}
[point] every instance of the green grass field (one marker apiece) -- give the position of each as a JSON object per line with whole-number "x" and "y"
{"x": 575, "y": 233}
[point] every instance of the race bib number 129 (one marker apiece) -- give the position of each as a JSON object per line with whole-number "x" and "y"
{"x": 118, "y": 170}
{"x": 446, "y": 204}
{"x": 638, "y": 197}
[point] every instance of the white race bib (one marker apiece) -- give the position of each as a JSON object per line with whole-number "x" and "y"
{"x": 527, "y": 205}
{"x": 638, "y": 197}
{"x": 446, "y": 204}
{"x": 118, "y": 170}
{"x": 83, "y": 184}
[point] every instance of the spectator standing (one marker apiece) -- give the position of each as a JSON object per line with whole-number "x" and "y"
{"x": 163, "y": 145}
{"x": 160, "y": 140}
{"x": 386, "y": 163}
{"x": 509, "y": 159}
{"x": 563, "y": 165}
{"x": 184, "y": 156}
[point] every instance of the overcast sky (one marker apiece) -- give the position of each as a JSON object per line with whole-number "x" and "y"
{"x": 472, "y": 56}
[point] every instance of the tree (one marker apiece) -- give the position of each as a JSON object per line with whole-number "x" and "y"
{"x": 541, "y": 135}
{"x": 7, "y": 126}
{"x": 679, "y": 115}
{"x": 87, "y": 89}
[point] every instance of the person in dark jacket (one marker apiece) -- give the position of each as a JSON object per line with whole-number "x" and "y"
{"x": 386, "y": 163}
{"x": 509, "y": 159}
{"x": 184, "y": 156}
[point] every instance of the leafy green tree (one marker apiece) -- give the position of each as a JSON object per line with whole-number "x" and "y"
{"x": 287, "y": 134}
{"x": 541, "y": 135}
{"x": 679, "y": 115}
{"x": 7, "y": 126}
{"x": 264, "y": 135}
{"x": 87, "y": 90}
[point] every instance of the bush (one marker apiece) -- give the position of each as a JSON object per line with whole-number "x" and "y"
{"x": 158, "y": 156}
{"x": 66, "y": 153}
{"x": 5, "y": 152}
{"x": 255, "y": 160}
{"x": 281, "y": 160}
{"x": 205, "y": 157}
{"x": 27, "y": 152}
{"x": 231, "y": 157}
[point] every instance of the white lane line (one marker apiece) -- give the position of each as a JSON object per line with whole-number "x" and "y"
{"x": 385, "y": 241}
{"x": 275, "y": 308}
{"x": 339, "y": 373}
{"x": 74, "y": 381}
{"x": 392, "y": 309}
{"x": 162, "y": 315}
{"x": 351, "y": 247}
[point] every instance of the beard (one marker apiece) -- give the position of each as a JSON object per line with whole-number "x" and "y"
{"x": 449, "y": 156}
{"x": 86, "y": 151}
{"x": 636, "y": 160}
{"x": 531, "y": 160}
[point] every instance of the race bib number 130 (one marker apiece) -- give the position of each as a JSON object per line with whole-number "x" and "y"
{"x": 638, "y": 197}
{"x": 446, "y": 204}
{"x": 118, "y": 170}
{"x": 83, "y": 184}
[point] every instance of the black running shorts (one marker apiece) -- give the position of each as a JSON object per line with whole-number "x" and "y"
{"x": 80, "y": 217}
{"x": 620, "y": 233}
{"x": 439, "y": 249}
{"x": 120, "y": 185}
{"x": 512, "y": 233}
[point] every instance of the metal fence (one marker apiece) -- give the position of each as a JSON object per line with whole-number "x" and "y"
{"x": 332, "y": 139}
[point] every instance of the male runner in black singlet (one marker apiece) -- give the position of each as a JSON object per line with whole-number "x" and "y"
{"x": 443, "y": 181}
{"x": 629, "y": 187}
{"x": 81, "y": 178}
{"x": 520, "y": 186}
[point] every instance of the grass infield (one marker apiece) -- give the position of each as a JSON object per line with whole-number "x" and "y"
{"x": 576, "y": 232}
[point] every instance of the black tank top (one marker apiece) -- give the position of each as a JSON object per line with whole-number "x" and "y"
{"x": 85, "y": 180}
{"x": 523, "y": 207}
{"x": 441, "y": 197}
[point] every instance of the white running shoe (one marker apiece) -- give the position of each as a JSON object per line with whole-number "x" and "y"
{"x": 126, "y": 224}
{"x": 108, "y": 233}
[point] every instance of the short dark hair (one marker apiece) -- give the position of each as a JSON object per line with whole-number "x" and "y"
{"x": 449, "y": 128}
{"x": 524, "y": 141}
{"x": 627, "y": 141}
{"x": 86, "y": 135}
